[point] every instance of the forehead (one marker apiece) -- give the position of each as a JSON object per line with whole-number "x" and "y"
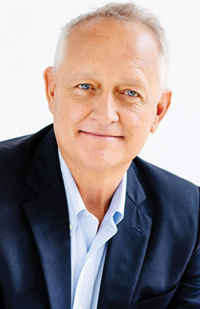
{"x": 112, "y": 33}
{"x": 111, "y": 47}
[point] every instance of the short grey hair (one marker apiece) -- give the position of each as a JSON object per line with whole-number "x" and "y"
{"x": 127, "y": 12}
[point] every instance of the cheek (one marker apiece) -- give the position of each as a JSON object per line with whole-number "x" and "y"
{"x": 133, "y": 121}
{"x": 138, "y": 125}
{"x": 68, "y": 116}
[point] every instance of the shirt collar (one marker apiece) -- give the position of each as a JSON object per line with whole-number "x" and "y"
{"x": 117, "y": 205}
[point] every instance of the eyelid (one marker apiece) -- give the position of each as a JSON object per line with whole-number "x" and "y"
{"x": 81, "y": 84}
{"x": 131, "y": 90}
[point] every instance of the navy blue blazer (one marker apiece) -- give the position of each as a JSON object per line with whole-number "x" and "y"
{"x": 152, "y": 262}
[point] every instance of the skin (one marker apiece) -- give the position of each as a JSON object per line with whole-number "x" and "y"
{"x": 106, "y": 99}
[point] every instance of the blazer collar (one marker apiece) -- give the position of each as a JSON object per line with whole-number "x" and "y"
{"x": 126, "y": 250}
{"x": 134, "y": 189}
{"x": 45, "y": 168}
{"x": 50, "y": 223}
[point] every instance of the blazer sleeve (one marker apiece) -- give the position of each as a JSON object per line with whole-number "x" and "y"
{"x": 188, "y": 293}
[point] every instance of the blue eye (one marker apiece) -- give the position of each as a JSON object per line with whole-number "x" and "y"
{"x": 131, "y": 93}
{"x": 84, "y": 86}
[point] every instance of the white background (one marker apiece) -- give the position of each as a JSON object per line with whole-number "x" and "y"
{"x": 28, "y": 37}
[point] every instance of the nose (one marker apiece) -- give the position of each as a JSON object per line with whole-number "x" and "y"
{"x": 104, "y": 109}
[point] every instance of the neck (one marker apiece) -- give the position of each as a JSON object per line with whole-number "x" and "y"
{"x": 97, "y": 187}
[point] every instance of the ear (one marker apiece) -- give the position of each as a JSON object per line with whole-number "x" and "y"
{"x": 162, "y": 109}
{"x": 50, "y": 86}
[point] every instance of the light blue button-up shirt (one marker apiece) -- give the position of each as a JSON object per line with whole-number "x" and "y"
{"x": 88, "y": 244}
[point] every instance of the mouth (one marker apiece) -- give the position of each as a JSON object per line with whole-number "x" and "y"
{"x": 100, "y": 135}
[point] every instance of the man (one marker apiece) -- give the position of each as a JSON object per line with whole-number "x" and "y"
{"x": 85, "y": 223}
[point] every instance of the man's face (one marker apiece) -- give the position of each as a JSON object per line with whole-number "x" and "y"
{"x": 105, "y": 97}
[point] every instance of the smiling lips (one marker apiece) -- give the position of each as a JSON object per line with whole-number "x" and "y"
{"x": 100, "y": 135}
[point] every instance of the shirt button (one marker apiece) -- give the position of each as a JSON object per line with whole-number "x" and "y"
{"x": 70, "y": 226}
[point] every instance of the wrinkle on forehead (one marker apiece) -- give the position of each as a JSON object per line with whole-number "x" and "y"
{"x": 137, "y": 63}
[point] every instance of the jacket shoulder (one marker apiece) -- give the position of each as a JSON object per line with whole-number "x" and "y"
{"x": 147, "y": 171}
{"x": 16, "y": 158}
{"x": 164, "y": 188}
{"x": 22, "y": 144}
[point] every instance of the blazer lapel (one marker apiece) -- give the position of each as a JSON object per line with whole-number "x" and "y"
{"x": 48, "y": 217}
{"x": 126, "y": 250}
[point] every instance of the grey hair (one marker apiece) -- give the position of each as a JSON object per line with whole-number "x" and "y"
{"x": 126, "y": 12}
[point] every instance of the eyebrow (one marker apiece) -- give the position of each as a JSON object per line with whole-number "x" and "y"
{"x": 83, "y": 75}
{"x": 136, "y": 80}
